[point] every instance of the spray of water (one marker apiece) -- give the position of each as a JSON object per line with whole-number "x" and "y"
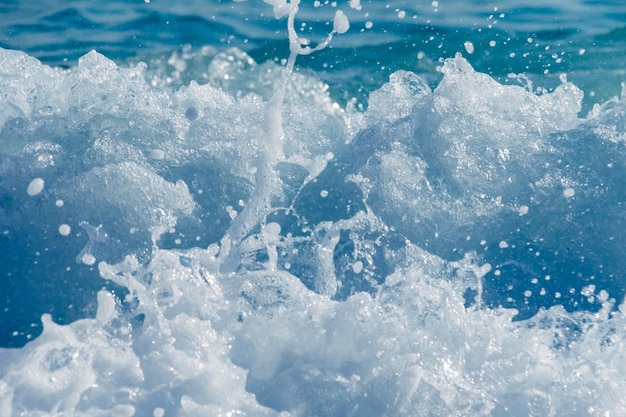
{"x": 267, "y": 182}
{"x": 364, "y": 321}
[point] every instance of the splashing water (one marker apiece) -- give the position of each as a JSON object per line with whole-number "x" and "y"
{"x": 267, "y": 185}
{"x": 454, "y": 251}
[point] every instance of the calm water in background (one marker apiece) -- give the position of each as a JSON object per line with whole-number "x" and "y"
{"x": 539, "y": 38}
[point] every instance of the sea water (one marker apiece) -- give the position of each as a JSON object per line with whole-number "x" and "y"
{"x": 201, "y": 215}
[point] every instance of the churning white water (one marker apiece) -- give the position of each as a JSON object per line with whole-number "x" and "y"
{"x": 274, "y": 253}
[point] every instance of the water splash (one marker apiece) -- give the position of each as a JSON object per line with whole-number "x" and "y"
{"x": 267, "y": 182}
{"x": 373, "y": 290}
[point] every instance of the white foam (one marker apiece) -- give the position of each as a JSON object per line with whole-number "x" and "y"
{"x": 272, "y": 151}
{"x": 341, "y": 24}
{"x": 88, "y": 259}
{"x": 256, "y": 338}
{"x": 469, "y": 47}
{"x": 396, "y": 99}
{"x": 413, "y": 344}
{"x": 65, "y": 229}
{"x": 35, "y": 187}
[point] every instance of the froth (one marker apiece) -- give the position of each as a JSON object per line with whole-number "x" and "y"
{"x": 260, "y": 342}
{"x": 372, "y": 274}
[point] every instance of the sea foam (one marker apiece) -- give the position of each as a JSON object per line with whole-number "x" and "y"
{"x": 385, "y": 272}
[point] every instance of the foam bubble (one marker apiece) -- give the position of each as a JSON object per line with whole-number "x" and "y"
{"x": 65, "y": 230}
{"x": 35, "y": 187}
{"x": 88, "y": 259}
{"x": 341, "y": 24}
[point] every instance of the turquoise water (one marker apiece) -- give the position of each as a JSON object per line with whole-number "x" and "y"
{"x": 424, "y": 219}
{"x": 508, "y": 37}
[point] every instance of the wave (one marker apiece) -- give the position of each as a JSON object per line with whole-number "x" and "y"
{"x": 447, "y": 251}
